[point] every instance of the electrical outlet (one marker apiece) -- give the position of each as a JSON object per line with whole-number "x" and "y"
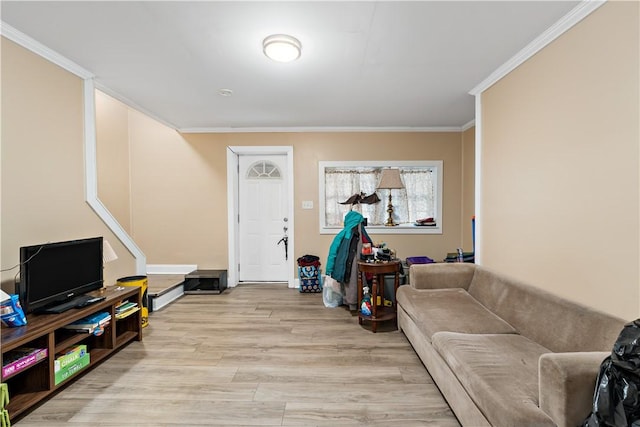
{"x": 307, "y": 204}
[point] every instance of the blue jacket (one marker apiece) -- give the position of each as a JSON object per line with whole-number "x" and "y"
{"x": 351, "y": 220}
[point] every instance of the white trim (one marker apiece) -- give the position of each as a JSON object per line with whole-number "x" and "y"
{"x": 465, "y": 127}
{"x": 159, "y": 301}
{"x": 171, "y": 268}
{"x": 232, "y": 206}
{"x": 373, "y": 229}
{"x": 91, "y": 178}
{"x": 318, "y": 129}
{"x": 232, "y": 214}
{"x": 50, "y": 55}
{"x": 90, "y": 157}
{"x": 102, "y": 88}
{"x": 478, "y": 182}
{"x": 577, "y": 14}
{"x": 38, "y": 48}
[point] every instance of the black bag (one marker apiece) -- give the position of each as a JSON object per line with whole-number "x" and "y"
{"x": 616, "y": 401}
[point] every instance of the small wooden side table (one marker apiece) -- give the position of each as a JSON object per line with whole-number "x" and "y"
{"x": 379, "y": 312}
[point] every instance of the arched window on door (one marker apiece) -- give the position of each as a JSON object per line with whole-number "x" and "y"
{"x": 263, "y": 170}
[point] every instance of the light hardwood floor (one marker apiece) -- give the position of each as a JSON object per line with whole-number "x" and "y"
{"x": 254, "y": 355}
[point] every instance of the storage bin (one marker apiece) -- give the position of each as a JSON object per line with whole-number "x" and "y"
{"x": 310, "y": 279}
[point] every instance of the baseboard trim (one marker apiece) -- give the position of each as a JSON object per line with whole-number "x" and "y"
{"x": 164, "y": 298}
{"x": 171, "y": 268}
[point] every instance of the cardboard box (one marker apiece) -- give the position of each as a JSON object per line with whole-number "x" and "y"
{"x": 21, "y": 358}
{"x": 69, "y": 356}
{"x": 72, "y": 369}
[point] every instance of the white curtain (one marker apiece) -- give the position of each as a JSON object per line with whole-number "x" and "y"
{"x": 415, "y": 201}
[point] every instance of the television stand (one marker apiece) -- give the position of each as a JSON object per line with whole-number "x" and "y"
{"x": 31, "y": 384}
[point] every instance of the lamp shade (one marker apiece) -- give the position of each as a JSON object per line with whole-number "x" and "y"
{"x": 108, "y": 254}
{"x": 390, "y": 179}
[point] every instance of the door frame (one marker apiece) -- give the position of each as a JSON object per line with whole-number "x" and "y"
{"x": 233, "y": 154}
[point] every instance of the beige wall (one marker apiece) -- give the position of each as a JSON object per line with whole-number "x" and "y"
{"x": 42, "y": 159}
{"x": 112, "y": 141}
{"x": 310, "y": 148}
{"x": 178, "y": 198}
{"x": 179, "y": 188}
{"x": 560, "y": 165}
{"x": 468, "y": 186}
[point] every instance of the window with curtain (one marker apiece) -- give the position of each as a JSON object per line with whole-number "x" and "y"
{"x": 420, "y": 198}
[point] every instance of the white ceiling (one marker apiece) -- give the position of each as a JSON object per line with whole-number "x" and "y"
{"x": 364, "y": 64}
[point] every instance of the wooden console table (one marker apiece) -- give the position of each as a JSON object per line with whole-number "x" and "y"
{"x": 379, "y": 312}
{"x": 28, "y": 386}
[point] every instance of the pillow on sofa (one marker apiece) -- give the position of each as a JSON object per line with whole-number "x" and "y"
{"x": 453, "y": 310}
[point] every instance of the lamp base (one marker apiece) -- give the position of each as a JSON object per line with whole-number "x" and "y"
{"x": 390, "y": 222}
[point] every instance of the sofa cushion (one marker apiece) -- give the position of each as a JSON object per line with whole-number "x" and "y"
{"x": 554, "y": 322}
{"x": 499, "y": 372}
{"x": 454, "y": 310}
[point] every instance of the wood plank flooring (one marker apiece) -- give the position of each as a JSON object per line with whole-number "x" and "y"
{"x": 256, "y": 355}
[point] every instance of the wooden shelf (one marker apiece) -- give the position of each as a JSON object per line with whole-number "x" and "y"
{"x": 125, "y": 338}
{"x": 31, "y": 385}
{"x": 74, "y": 338}
{"x": 379, "y": 312}
{"x": 22, "y": 402}
{"x": 384, "y": 313}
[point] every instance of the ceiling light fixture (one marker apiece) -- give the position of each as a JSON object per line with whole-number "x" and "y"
{"x": 281, "y": 47}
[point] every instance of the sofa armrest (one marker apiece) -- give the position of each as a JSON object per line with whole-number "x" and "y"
{"x": 441, "y": 275}
{"x": 567, "y": 382}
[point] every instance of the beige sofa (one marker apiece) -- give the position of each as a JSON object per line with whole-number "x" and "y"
{"x": 501, "y": 352}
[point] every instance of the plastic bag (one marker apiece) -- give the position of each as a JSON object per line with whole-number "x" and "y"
{"x": 11, "y": 312}
{"x": 331, "y": 293}
{"x": 616, "y": 401}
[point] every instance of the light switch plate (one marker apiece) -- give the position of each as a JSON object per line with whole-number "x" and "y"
{"x": 307, "y": 204}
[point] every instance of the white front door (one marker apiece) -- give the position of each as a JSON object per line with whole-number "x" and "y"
{"x": 263, "y": 222}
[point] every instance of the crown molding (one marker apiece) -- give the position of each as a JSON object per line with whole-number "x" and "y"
{"x": 129, "y": 103}
{"x": 319, "y": 129}
{"x": 35, "y": 46}
{"x": 468, "y": 125}
{"x": 577, "y": 14}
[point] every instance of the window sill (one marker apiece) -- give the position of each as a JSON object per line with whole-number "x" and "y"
{"x": 381, "y": 229}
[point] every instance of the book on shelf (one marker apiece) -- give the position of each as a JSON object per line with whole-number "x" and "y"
{"x": 22, "y": 357}
{"x": 91, "y": 324}
{"x": 128, "y": 312}
{"x": 125, "y": 306}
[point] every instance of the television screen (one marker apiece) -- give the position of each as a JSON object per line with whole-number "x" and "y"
{"x": 51, "y": 273}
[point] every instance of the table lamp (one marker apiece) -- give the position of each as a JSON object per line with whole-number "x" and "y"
{"x": 390, "y": 180}
{"x": 108, "y": 254}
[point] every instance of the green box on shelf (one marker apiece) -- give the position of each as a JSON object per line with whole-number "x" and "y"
{"x": 68, "y": 356}
{"x": 72, "y": 369}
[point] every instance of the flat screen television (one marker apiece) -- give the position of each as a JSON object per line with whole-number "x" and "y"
{"x": 52, "y": 273}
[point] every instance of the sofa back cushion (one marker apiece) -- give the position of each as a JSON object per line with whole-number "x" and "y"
{"x": 555, "y": 323}
{"x": 441, "y": 275}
